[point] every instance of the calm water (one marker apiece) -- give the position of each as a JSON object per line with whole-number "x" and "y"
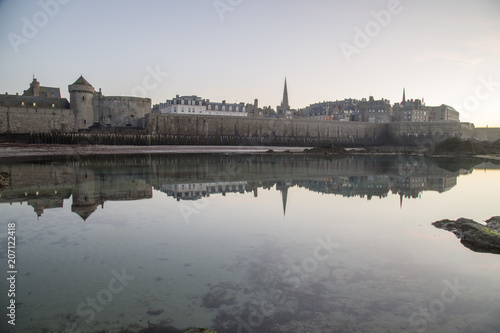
{"x": 241, "y": 243}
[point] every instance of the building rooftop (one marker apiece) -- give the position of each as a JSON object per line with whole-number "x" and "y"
{"x": 82, "y": 82}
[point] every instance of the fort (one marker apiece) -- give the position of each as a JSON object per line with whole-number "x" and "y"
{"x": 41, "y": 110}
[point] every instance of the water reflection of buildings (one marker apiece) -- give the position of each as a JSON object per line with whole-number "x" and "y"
{"x": 195, "y": 191}
{"x": 93, "y": 189}
{"x": 90, "y": 183}
{"x": 48, "y": 188}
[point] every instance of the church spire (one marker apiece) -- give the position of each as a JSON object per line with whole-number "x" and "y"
{"x": 284, "y": 103}
{"x": 404, "y": 95}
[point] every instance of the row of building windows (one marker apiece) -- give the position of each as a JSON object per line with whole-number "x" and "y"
{"x": 188, "y": 102}
{"x": 34, "y": 104}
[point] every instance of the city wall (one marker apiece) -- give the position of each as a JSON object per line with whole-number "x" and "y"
{"x": 263, "y": 131}
{"x": 426, "y": 134}
{"x": 220, "y": 130}
{"x": 301, "y": 132}
{"x": 121, "y": 111}
{"x": 35, "y": 120}
{"x": 489, "y": 134}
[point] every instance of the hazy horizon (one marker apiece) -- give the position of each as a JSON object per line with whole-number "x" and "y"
{"x": 237, "y": 50}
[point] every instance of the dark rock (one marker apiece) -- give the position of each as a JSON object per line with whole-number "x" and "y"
{"x": 330, "y": 149}
{"x": 3, "y": 179}
{"x": 474, "y": 235}
{"x": 458, "y": 147}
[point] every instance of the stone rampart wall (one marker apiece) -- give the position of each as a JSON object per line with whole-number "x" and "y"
{"x": 489, "y": 134}
{"x": 121, "y": 111}
{"x": 425, "y": 133}
{"x": 220, "y": 130}
{"x": 36, "y": 120}
{"x": 265, "y": 131}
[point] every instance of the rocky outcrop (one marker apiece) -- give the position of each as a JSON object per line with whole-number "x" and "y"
{"x": 3, "y": 179}
{"x": 326, "y": 150}
{"x": 474, "y": 235}
{"x": 458, "y": 147}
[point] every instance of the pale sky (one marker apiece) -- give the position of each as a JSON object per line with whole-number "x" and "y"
{"x": 444, "y": 51}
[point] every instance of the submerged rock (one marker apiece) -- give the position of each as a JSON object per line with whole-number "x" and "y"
{"x": 474, "y": 235}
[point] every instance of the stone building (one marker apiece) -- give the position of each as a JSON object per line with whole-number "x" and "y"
{"x": 417, "y": 111}
{"x": 39, "y": 91}
{"x": 42, "y": 110}
{"x": 443, "y": 113}
{"x": 39, "y": 109}
{"x": 413, "y": 110}
{"x": 343, "y": 110}
{"x": 375, "y": 111}
{"x": 253, "y": 110}
{"x": 110, "y": 111}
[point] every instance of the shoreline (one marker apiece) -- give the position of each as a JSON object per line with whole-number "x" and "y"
{"x": 14, "y": 150}
{"x": 9, "y": 150}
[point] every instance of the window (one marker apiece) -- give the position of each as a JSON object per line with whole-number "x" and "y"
{"x": 83, "y": 98}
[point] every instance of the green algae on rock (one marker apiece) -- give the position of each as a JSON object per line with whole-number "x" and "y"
{"x": 474, "y": 235}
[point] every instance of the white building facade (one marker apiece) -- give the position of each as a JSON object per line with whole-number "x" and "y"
{"x": 196, "y": 105}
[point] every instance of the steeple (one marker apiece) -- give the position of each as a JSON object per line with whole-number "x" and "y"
{"x": 404, "y": 95}
{"x": 284, "y": 102}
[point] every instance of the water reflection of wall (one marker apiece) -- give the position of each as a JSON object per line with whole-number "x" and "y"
{"x": 46, "y": 184}
{"x": 91, "y": 181}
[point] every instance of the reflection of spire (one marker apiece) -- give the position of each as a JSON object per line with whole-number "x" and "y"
{"x": 38, "y": 209}
{"x": 284, "y": 196}
{"x": 400, "y": 200}
{"x": 84, "y": 205}
{"x": 83, "y": 212}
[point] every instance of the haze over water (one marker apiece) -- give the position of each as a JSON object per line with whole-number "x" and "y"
{"x": 242, "y": 243}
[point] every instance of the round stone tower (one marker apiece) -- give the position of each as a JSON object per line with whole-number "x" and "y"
{"x": 81, "y": 94}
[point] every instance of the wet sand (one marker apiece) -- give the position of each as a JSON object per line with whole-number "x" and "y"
{"x": 22, "y": 150}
